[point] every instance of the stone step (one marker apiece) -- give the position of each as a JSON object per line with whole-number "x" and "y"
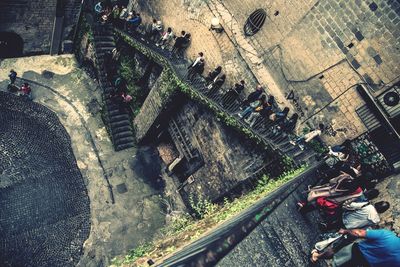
{"x": 104, "y": 38}
{"x": 125, "y": 140}
{"x": 105, "y": 42}
{"x": 123, "y": 134}
{"x": 119, "y": 124}
{"x": 115, "y": 111}
{"x": 125, "y": 146}
{"x": 121, "y": 129}
{"x": 117, "y": 118}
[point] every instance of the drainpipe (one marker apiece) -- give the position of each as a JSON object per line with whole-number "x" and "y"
{"x": 377, "y": 110}
{"x": 57, "y": 28}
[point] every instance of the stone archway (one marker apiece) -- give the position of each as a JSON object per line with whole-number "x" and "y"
{"x": 11, "y": 45}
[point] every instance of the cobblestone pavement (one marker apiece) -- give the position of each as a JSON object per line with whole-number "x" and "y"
{"x": 43, "y": 197}
{"x": 133, "y": 174}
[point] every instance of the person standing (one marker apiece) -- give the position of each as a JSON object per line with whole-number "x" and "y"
{"x": 26, "y": 91}
{"x": 233, "y": 93}
{"x": 12, "y": 76}
{"x": 216, "y": 85}
{"x": 178, "y": 44}
{"x": 193, "y": 68}
{"x": 165, "y": 38}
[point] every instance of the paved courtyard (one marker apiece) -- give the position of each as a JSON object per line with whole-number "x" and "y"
{"x": 132, "y": 175}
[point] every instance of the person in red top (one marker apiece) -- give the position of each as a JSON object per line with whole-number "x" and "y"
{"x": 26, "y": 91}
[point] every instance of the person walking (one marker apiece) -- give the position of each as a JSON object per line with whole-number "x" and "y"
{"x": 194, "y": 68}
{"x": 178, "y": 44}
{"x": 13, "y": 76}
{"x": 216, "y": 85}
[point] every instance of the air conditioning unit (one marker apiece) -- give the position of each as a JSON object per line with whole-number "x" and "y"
{"x": 390, "y": 101}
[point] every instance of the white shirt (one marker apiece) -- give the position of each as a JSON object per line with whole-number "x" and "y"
{"x": 168, "y": 35}
{"x": 360, "y": 218}
{"x": 197, "y": 61}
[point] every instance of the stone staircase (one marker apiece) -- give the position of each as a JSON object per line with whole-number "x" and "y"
{"x": 182, "y": 140}
{"x": 71, "y": 11}
{"x": 262, "y": 128}
{"x": 119, "y": 120}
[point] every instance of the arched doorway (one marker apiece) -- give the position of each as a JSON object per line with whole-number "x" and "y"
{"x": 11, "y": 45}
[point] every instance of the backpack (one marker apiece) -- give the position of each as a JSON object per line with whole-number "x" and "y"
{"x": 329, "y": 207}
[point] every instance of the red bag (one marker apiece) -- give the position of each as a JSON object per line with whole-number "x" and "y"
{"x": 327, "y": 206}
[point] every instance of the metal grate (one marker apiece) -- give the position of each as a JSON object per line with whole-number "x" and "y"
{"x": 255, "y": 22}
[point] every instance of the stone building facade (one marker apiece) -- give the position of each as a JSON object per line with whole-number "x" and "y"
{"x": 28, "y": 27}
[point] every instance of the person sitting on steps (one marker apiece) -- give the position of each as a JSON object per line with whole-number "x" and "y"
{"x": 253, "y": 96}
{"x": 253, "y": 106}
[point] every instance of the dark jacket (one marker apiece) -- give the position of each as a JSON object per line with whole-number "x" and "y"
{"x": 254, "y": 96}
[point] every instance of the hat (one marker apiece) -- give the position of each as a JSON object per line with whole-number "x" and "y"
{"x": 382, "y": 206}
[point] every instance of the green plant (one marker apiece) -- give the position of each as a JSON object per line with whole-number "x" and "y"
{"x": 178, "y": 224}
{"x": 84, "y": 29}
{"x": 318, "y": 146}
{"x": 287, "y": 163}
{"x": 128, "y": 71}
{"x": 202, "y": 207}
{"x": 138, "y": 252}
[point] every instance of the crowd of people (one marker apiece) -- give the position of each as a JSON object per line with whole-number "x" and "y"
{"x": 24, "y": 90}
{"x": 349, "y": 219}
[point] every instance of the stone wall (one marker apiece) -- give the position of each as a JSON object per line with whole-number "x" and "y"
{"x": 340, "y": 42}
{"x": 33, "y": 21}
{"x": 316, "y": 49}
{"x": 228, "y": 157}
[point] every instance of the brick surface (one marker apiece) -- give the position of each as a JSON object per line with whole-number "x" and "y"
{"x": 33, "y": 21}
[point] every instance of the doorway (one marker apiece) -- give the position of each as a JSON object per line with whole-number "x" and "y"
{"x": 11, "y": 45}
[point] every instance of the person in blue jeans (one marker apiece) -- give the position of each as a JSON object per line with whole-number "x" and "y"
{"x": 252, "y": 107}
{"x": 380, "y": 248}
